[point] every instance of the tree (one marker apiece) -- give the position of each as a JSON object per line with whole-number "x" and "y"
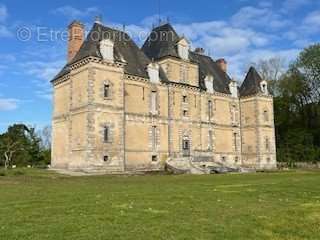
{"x": 12, "y": 143}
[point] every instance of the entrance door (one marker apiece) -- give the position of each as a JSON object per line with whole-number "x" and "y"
{"x": 186, "y": 148}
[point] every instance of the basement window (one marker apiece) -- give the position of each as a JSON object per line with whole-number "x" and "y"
{"x": 154, "y": 158}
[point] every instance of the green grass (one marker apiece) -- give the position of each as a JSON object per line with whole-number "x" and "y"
{"x": 43, "y": 205}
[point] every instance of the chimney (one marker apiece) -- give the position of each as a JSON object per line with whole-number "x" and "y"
{"x": 199, "y": 51}
{"x": 76, "y": 38}
{"x": 222, "y": 63}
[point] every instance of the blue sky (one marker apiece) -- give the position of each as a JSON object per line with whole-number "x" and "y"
{"x": 242, "y": 31}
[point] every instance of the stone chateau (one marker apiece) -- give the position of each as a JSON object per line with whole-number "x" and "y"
{"x": 121, "y": 108}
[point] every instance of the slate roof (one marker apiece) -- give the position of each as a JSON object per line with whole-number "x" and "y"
{"x": 125, "y": 50}
{"x": 207, "y": 66}
{"x": 251, "y": 84}
{"x": 161, "y": 42}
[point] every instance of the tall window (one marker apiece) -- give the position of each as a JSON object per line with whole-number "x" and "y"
{"x": 210, "y": 139}
{"x": 265, "y": 116}
{"x": 154, "y": 138}
{"x": 183, "y": 73}
{"x": 233, "y": 113}
{"x": 184, "y": 99}
{"x": 106, "y": 90}
{"x": 210, "y": 109}
{"x": 267, "y": 144}
{"x": 154, "y": 102}
{"x": 106, "y": 134}
{"x": 235, "y": 142}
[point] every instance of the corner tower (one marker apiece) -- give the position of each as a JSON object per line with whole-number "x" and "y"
{"x": 257, "y": 123}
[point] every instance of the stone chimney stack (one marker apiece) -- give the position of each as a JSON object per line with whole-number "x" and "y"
{"x": 222, "y": 63}
{"x": 200, "y": 51}
{"x": 76, "y": 38}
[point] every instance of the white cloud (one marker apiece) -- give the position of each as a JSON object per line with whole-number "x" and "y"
{"x": 292, "y": 5}
{"x": 3, "y": 13}
{"x": 8, "y": 104}
{"x": 311, "y": 23}
{"x": 73, "y": 12}
{"x": 261, "y": 17}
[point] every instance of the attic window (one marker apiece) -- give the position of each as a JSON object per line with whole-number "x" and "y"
{"x": 153, "y": 72}
{"x": 264, "y": 87}
{"x": 107, "y": 50}
{"x": 183, "y": 49}
{"x": 209, "y": 83}
{"x": 233, "y": 87}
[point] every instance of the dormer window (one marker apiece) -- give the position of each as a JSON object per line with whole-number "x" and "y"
{"x": 264, "y": 87}
{"x": 233, "y": 87}
{"x": 107, "y": 50}
{"x": 183, "y": 49}
{"x": 153, "y": 72}
{"x": 209, "y": 83}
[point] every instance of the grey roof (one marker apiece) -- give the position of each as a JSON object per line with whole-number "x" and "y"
{"x": 207, "y": 67}
{"x": 251, "y": 84}
{"x": 161, "y": 42}
{"x": 125, "y": 50}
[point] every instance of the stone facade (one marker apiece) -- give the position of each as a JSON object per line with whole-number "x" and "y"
{"x": 141, "y": 124}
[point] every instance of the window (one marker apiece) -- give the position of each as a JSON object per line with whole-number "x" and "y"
{"x": 154, "y": 138}
{"x": 154, "y": 158}
{"x": 106, "y": 158}
{"x": 236, "y": 159}
{"x": 183, "y": 73}
{"x": 154, "y": 102}
{"x": 235, "y": 136}
{"x": 185, "y": 113}
{"x": 106, "y": 134}
{"x": 265, "y": 116}
{"x": 223, "y": 159}
{"x": 233, "y": 113}
{"x": 210, "y": 109}
{"x": 153, "y": 72}
{"x": 183, "y": 49}
{"x": 107, "y": 49}
{"x": 267, "y": 144}
{"x": 106, "y": 91}
{"x": 186, "y": 145}
{"x": 184, "y": 99}
{"x": 210, "y": 139}
{"x": 264, "y": 87}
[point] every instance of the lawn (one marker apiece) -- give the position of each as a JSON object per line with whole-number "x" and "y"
{"x": 42, "y": 205}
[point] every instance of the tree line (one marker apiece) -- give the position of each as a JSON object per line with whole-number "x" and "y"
{"x": 296, "y": 105}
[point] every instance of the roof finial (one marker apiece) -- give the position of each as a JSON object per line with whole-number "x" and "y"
{"x": 159, "y": 12}
{"x": 98, "y": 19}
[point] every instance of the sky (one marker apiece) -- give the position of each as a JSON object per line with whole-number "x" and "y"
{"x": 33, "y": 39}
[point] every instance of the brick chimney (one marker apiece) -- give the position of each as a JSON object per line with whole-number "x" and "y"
{"x": 222, "y": 63}
{"x": 76, "y": 38}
